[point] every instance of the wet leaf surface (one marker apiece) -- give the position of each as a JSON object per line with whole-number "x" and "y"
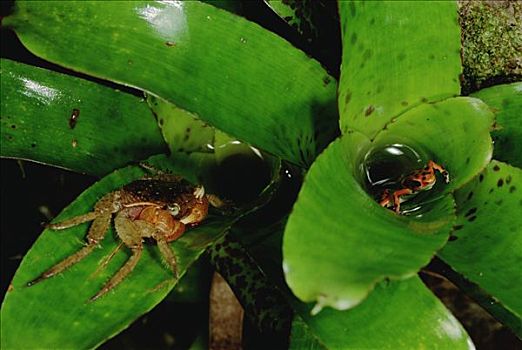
{"x": 222, "y": 68}
{"x": 56, "y": 119}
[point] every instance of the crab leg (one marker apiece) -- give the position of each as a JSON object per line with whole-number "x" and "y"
{"x": 105, "y": 205}
{"x": 162, "y": 235}
{"x": 131, "y": 237}
{"x": 73, "y": 221}
{"x": 97, "y": 232}
{"x": 121, "y": 274}
{"x": 168, "y": 255}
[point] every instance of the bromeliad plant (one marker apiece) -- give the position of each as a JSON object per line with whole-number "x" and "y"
{"x": 353, "y": 262}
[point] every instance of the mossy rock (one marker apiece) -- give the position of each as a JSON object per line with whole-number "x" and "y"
{"x": 492, "y": 42}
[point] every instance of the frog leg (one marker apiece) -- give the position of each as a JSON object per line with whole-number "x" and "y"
{"x": 440, "y": 169}
{"x": 397, "y": 198}
{"x": 385, "y": 198}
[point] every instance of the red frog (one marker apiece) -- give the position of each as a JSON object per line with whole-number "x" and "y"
{"x": 419, "y": 180}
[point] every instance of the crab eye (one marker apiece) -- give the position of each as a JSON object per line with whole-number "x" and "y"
{"x": 173, "y": 209}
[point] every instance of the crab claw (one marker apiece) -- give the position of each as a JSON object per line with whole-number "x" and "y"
{"x": 199, "y": 192}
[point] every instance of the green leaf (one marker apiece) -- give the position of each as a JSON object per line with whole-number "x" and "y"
{"x": 402, "y": 307}
{"x": 37, "y": 106}
{"x": 350, "y": 243}
{"x": 298, "y": 14}
{"x": 182, "y": 130}
{"x": 506, "y": 101}
{"x": 336, "y": 255}
{"x": 228, "y": 71}
{"x": 396, "y": 55}
{"x": 487, "y": 239}
{"x": 56, "y": 310}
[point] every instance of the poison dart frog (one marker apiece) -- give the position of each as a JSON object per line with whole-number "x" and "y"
{"x": 419, "y": 180}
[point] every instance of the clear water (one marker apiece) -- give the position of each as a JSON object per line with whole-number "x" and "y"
{"x": 385, "y": 167}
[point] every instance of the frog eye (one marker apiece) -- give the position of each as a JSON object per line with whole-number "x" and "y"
{"x": 173, "y": 209}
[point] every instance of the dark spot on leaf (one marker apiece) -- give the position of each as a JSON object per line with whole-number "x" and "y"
{"x": 457, "y": 227}
{"x": 372, "y": 21}
{"x": 404, "y": 103}
{"x": 471, "y": 212}
{"x": 33, "y": 145}
{"x": 508, "y": 179}
{"x": 13, "y": 126}
{"x": 161, "y": 121}
{"x": 499, "y": 202}
{"x": 500, "y": 183}
{"x": 512, "y": 189}
{"x": 470, "y": 195}
{"x": 471, "y": 219}
{"x": 352, "y": 9}
{"x": 424, "y": 99}
{"x": 431, "y": 56}
{"x": 9, "y": 137}
{"x": 452, "y": 238}
{"x": 170, "y": 43}
{"x": 353, "y": 38}
{"x": 369, "y": 110}
{"x": 481, "y": 177}
{"x": 367, "y": 54}
{"x": 326, "y": 80}
{"x": 468, "y": 160}
{"x": 348, "y": 97}
{"x": 491, "y": 190}
{"x": 401, "y": 56}
{"x": 496, "y": 168}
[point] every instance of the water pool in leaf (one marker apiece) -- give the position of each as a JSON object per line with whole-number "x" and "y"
{"x": 386, "y": 168}
{"x": 241, "y": 177}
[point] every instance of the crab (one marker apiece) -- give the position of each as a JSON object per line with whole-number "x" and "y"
{"x": 418, "y": 180}
{"x": 160, "y": 208}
